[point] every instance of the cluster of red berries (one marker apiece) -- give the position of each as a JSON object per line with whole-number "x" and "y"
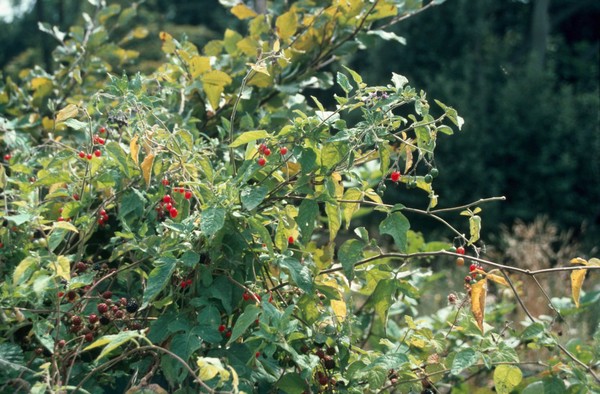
{"x": 185, "y": 283}
{"x": 187, "y": 194}
{"x": 225, "y": 331}
{"x": 475, "y": 274}
{"x": 167, "y": 205}
{"x": 102, "y": 217}
{"x": 265, "y": 152}
{"x": 247, "y": 296}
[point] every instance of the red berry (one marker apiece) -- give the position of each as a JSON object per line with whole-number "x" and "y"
{"x": 173, "y": 212}
{"x": 123, "y": 301}
{"x": 266, "y": 151}
{"x": 89, "y": 337}
{"x": 261, "y": 161}
{"x": 76, "y": 197}
{"x": 97, "y": 153}
{"x": 167, "y": 199}
{"x": 165, "y": 182}
{"x": 460, "y": 250}
{"x": 119, "y": 314}
{"x": 290, "y": 240}
{"x": 473, "y": 267}
{"x": 93, "y": 318}
{"x": 468, "y": 279}
{"x": 76, "y": 320}
{"x": 262, "y": 147}
{"x": 222, "y": 328}
{"x": 187, "y": 195}
{"x": 228, "y": 334}
{"x": 89, "y": 156}
{"x": 7, "y": 157}
{"x": 320, "y": 353}
{"x": 246, "y": 296}
{"x": 60, "y": 294}
{"x": 101, "y": 221}
{"x": 323, "y": 380}
{"x": 62, "y": 343}
{"x": 61, "y": 219}
{"x": 107, "y": 294}
{"x": 395, "y": 176}
{"x": 168, "y": 206}
{"x": 102, "y": 307}
{"x": 102, "y": 129}
{"x": 81, "y": 266}
{"x": 82, "y": 154}
{"x": 100, "y": 141}
{"x": 257, "y": 354}
{"x": 102, "y": 212}
{"x": 283, "y": 150}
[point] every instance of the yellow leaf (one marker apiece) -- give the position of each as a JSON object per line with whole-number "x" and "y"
{"x": 242, "y": 11}
{"x": 478, "y": 293}
{"x": 199, "y": 65}
{"x": 209, "y": 367}
{"x": 24, "y": 266}
{"x": 579, "y": 260}
{"x": 62, "y": 267}
{"x": 577, "y": 278}
{"x": 168, "y": 44}
{"x": 339, "y": 309}
{"x": 259, "y": 68}
{"x": 147, "y": 167}
{"x": 67, "y": 112}
{"x": 140, "y": 32}
{"x": 134, "y": 148}
{"x": 286, "y": 25}
{"x": 214, "y": 84}
{"x": 350, "y": 208}
{"x": 334, "y": 219}
{"x": 40, "y": 82}
{"x": 66, "y": 226}
{"x": 498, "y": 279}
{"x": 47, "y": 123}
{"x": 260, "y": 80}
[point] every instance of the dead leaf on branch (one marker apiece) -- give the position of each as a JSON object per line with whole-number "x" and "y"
{"x": 478, "y": 293}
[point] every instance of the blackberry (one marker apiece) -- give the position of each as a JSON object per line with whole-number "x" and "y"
{"x": 104, "y": 320}
{"x": 132, "y": 306}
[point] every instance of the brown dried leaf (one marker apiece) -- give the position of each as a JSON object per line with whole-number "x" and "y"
{"x": 478, "y": 293}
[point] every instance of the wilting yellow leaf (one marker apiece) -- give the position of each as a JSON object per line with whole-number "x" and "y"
{"x": 339, "y": 309}
{"x": 168, "y": 44}
{"x": 214, "y": 84}
{"x": 286, "y": 24}
{"x": 579, "y": 260}
{"x": 498, "y": 279}
{"x": 147, "y": 167}
{"x": 134, "y": 148}
{"x": 577, "y": 278}
{"x": 67, "y": 112}
{"x": 199, "y": 65}
{"x": 242, "y": 11}
{"x": 478, "y": 293}
{"x": 291, "y": 169}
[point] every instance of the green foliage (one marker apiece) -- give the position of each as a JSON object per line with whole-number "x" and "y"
{"x": 155, "y": 231}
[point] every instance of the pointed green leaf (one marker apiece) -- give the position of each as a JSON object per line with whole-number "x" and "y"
{"x": 464, "y": 359}
{"x": 349, "y": 254}
{"x": 159, "y": 277}
{"x": 246, "y": 319}
{"x": 212, "y": 221}
{"x": 248, "y": 136}
{"x": 396, "y": 225}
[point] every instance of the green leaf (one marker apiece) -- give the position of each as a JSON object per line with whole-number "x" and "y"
{"x": 190, "y": 258}
{"x": 308, "y": 160}
{"x": 186, "y": 343}
{"x": 532, "y": 331}
{"x": 251, "y": 197}
{"x": 344, "y": 83}
{"x": 11, "y": 357}
{"x": 382, "y": 298}
{"x": 350, "y": 208}
{"x": 349, "y": 254}
{"x": 291, "y": 383}
{"x": 463, "y": 359}
{"x": 334, "y": 219}
{"x": 159, "y": 277}
{"x": 308, "y": 213}
{"x": 118, "y": 154}
{"x": 554, "y": 385}
{"x": 112, "y": 342}
{"x": 76, "y": 124}
{"x": 246, "y": 319}
{"x": 299, "y": 273}
{"x": 212, "y": 220}
{"x": 19, "y": 219}
{"x": 396, "y": 225}
{"x": 506, "y": 378}
{"x": 474, "y": 228}
{"x": 248, "y": 136}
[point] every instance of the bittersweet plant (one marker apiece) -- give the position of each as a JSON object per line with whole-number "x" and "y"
{"x": 199, "y": 229}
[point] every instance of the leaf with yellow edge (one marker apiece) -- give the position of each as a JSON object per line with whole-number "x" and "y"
{"x": 113, "y": 341}
{"x": 339, "y": 309}
{"x": 134, "y": 148}
{"x": 62, "y": 267}
{"x": 67, "y": 112}
{"x": 214, "y": 84}
{"x": 498, "y": 279}
{"x": 286, "y": 25}
{"x": 147, "y": 167}
{"x": 168, "y": 44}
{"x": 65, "y": 225}
{"x": 199, "y": 65}
{"x": 577, "y": 278}
{"x": 242, "y": 11}
{"x": 24, "y": 269}
{"x": 478, "y": 293}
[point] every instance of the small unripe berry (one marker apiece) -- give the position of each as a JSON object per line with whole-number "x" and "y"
{"x": 102, "y": 308}
{"x": 76, "y": 320}
{"x": 89, "y": 337}
{"x": 61, "y": 343}
{"x": 107, "y": 294}
{"x": 93, "y": 318}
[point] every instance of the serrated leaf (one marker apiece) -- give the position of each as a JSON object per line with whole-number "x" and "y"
{"x": 506, "y": 378}
{"x": 463, "y": 359}
{"x": 396, "y": 225}
{"x": 248, "y": 136}
{"x": 147, "y": 167}
{"x": 70, "y": 111}
{"x": 478, "y": 293}
{"x": 159, "y": 277}
{"x": 349, "y": 254}
{"x": 286, "y": 25}
{"x": 212, "y": 220}
{"x": 577, "y": 278}
{"x": 244, "y": 321}
{"x": 242, "y": 11}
